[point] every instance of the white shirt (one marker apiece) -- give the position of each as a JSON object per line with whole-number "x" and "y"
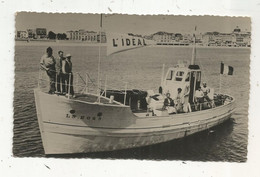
{"x": 199, "y": 94}
{"x": 205, "y": 90}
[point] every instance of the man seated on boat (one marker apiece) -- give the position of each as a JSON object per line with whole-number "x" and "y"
{"x": 148, "y": 101}
{"x": 199, "y": 98}
{"x": 168, "y": 104}
{"x": 154, "y": 102}
{"x": 179, "y": 100}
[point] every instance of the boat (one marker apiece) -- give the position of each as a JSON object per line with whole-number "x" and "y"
{"x": 111, "y": 120}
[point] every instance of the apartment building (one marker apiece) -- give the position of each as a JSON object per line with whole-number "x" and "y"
{"x": 88, "y": 36}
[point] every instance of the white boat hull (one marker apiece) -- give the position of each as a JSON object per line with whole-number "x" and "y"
{"x": 71, "y": 126}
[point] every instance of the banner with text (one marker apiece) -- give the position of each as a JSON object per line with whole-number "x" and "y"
{"x": 121, "y": 42}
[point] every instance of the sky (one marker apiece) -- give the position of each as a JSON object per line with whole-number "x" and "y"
{"x": 137, "y": 24}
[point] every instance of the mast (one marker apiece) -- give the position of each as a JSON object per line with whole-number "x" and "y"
{"x": 193, "y": 58}
{"x": 99, "y": 56}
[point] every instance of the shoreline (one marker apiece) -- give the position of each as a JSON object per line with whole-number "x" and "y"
{"x": 57, "y": 43}
{"x": 82, "y": 43}
{"x": 206, "y": 47}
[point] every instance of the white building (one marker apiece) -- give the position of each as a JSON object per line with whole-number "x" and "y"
{"x": 22, "y": 34}
{"x": 83, "y": 35}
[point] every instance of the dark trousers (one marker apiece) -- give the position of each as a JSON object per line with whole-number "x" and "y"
{"x": 63, "y": 85}
{"x": 60, "y": 83}
{"x": 69, "y": 79}
{"x": 52, "y": 77}
{"x": 58, "y": 79}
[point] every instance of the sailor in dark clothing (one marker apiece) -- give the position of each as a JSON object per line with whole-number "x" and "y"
{"x": 168, "y": 101}
{"x": 168, "y": 104}
{"x": 67, "y": 72}
{"x": 59, "y": 79}
{"x": 48, "y": 64}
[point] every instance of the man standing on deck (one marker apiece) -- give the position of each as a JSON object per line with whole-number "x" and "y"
{"x": 199, "y": 98}
{"x": 48, "y": 64}
{"x": 67, "y": 72}
{"x": 186, "y": 94}
{"x": 59, "y": 76}
{"x": 178, "y": 101}
{"x": 206, "y": 91}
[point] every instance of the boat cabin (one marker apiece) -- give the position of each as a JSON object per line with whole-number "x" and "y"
{"x": 181, "y": 76}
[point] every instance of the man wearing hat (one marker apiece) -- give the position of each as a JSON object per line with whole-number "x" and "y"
{"x": 59, "y": 79}
{"x": 67, "y": 74}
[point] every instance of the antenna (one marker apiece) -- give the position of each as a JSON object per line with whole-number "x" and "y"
{"x": 194, "y": 48}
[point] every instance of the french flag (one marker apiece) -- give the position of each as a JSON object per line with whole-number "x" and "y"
{"x": 226, "y": 70}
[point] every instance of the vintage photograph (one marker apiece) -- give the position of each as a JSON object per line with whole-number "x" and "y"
{"x": 146, "y": 87}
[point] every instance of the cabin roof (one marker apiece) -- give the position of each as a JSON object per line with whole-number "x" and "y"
{"x": 185, "y": 68}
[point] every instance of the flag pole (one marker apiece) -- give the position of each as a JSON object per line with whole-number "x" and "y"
{"x": 220, "y": 81}
{"x": 162, "y": 75}
{"x": 220, "y": 77}
{"x": 193, "y": 58}
{"x": 99, "y": 56}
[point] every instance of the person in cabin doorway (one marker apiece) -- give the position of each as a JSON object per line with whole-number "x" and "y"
{"x": 199, "y": 98}
{"x": 168, "y": 104}
{"x": 186, "y": 104}
{"x": 68, "y": 75}
{"x": 60, "y": 81}
{"x": 48, "y": 64}
{"x": 179, "y": 101}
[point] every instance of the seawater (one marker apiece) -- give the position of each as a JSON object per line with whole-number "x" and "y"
{"x": 140, "y": 68}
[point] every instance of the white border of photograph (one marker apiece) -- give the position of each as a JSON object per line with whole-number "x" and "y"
{"x": 10, "y": 166}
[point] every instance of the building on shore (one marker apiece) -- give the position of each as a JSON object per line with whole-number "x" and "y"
{"x": 102, "y": 36}
{"x": 31, "y": 33}
{"x": 163, "y": 38}
{"x": 41, "y": 33}
{"x": 38, "y": 33}
{"x": 88, "y": 36}
{"x": 237, "y": 38}
{"x": 22, "y": 34}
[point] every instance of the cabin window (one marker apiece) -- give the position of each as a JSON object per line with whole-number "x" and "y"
{"x": 179, "y": 75}
{"x": 169, "y": 76}
{"x": 187, "y": 77}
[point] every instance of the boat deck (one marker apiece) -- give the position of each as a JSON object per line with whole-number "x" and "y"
{"x": 89, "y": 98}
{"x": 142, "y": 112}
